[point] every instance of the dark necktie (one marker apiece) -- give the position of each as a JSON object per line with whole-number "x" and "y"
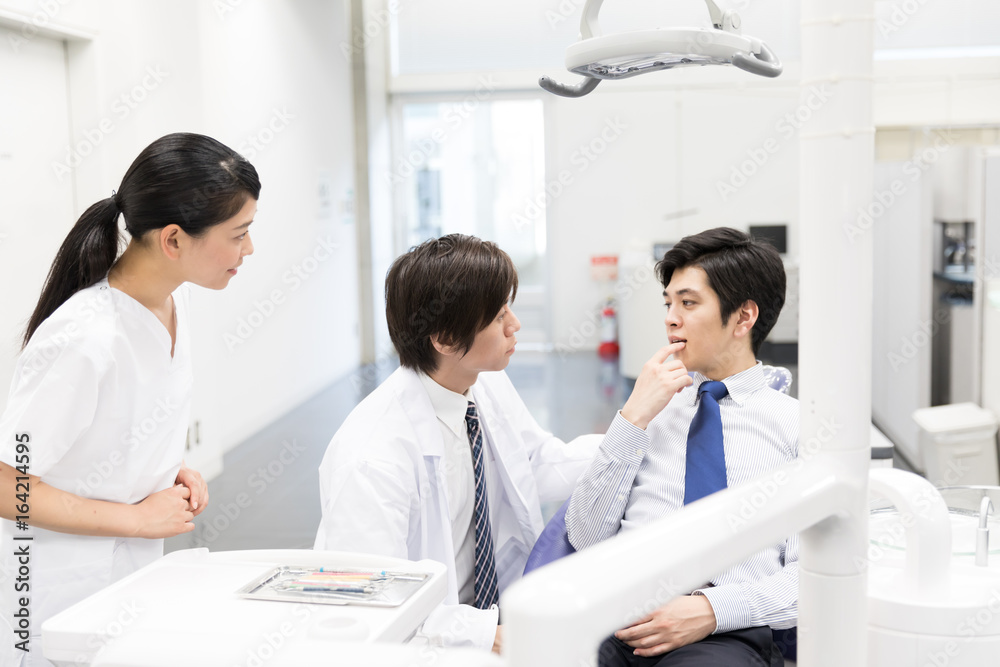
{"x": 485, "y": 569}
{"x": 705, "y": 468}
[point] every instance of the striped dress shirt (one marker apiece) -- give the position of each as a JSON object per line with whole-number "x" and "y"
{"x": 637, "y": 477}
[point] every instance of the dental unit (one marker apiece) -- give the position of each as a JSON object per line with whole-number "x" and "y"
{"x": 906, "y": 610}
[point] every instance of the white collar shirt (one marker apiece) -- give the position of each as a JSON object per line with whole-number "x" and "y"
{"x": 459, "y": 480}
{"x": 637, "y": 477}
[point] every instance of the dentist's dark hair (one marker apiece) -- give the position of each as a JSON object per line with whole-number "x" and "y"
{"x": 739, "y": 268}
{"x": 182, "y": 179}
{"x": 453, "y": 287}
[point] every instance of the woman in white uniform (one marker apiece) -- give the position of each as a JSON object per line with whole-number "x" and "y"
{"x": 92, "y": 440}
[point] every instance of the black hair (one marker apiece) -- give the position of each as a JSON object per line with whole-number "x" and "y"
{"x": 453, "y": 287}
{"x": 182, "y": 179}
{"x": 739, "y": 268}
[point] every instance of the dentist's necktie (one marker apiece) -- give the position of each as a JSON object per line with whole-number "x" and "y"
{"x": 485, "y": 569}
{"x": 705, "y": 469}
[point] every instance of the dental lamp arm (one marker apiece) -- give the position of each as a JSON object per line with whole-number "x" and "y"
{"x": 549, "y": 619}
{"x": 764, "y": 64}
{"x": 579, "y": 90}
{"x": 772, "y": 600}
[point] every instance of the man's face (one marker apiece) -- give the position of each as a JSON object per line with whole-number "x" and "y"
{"x": 493, "y": 346}
{"x": 693, "y": 316}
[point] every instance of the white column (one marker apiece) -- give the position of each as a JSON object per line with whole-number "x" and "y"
{"x": 836, "y": 163}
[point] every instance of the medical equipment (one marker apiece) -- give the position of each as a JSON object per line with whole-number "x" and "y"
{"x": 192, "y": 604}
{"x": 550, "y": 620}
{"x": 339, "y": 585}
{"x": 622, "y": 55}
{"x": 951, "y": 613}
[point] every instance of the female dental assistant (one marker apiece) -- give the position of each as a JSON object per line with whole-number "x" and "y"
{"x": 91, "y": 442}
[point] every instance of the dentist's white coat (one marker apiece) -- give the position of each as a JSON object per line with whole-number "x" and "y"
{"x": 382, "y": 487}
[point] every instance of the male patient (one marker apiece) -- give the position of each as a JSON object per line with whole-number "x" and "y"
{"x": 443, "y": 459}
{"x": 666, "y": 448}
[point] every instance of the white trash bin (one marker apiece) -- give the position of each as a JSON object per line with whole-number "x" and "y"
{"x": 958, "y": 443}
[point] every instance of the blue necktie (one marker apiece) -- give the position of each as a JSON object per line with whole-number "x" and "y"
{"x": 485, "y": 572}
{"x": 705, "y": 468}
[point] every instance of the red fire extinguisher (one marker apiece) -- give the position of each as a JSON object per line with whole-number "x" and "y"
{"x": 608, "y": 348}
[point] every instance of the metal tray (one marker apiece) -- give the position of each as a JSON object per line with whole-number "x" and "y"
{"x": 388, "y": 589}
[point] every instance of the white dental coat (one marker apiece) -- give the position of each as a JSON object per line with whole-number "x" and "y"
{"x": 106, "y": 409}
{"x": 382, "y": 487}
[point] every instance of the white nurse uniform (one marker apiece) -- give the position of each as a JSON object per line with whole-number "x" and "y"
{"x": 106, "y": 407}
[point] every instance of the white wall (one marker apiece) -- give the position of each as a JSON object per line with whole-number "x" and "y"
{"x": 684, "y": 132}
{"x": 32, "y": 227}
{"x": 656, "y": 165}
{"x": 269, "y": 80}
{"x": 275, "y": 72}
{"x": 991, "y": 284}
{"x": 902, "y": 321}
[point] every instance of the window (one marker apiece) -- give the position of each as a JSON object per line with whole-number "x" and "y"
{"x": 476, "y": 168}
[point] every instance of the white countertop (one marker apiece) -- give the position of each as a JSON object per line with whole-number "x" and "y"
{"x": 186, "y": 604}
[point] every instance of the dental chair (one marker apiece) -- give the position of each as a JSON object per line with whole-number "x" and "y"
{"x": 553, "y": 543}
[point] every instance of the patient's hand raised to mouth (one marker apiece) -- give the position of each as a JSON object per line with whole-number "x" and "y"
{"x": 657, "y": 383}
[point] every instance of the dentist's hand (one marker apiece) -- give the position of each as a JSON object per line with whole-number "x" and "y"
{"x": 498, "y": 640}
{"x": 658, "y": 382}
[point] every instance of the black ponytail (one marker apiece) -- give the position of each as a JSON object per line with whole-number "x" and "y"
{"x": 83, "y": 259}
{"x": 183, "y": 179}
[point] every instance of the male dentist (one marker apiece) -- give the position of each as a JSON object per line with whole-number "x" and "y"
{"x": 443, "y": 460}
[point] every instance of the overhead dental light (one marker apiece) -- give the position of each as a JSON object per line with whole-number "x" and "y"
{"x": 621, "y": 55}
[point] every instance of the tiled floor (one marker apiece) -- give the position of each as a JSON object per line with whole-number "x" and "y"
{"x": 268, "y": 494}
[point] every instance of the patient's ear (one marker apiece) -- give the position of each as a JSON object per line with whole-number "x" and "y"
{"x": 746, "y": 316}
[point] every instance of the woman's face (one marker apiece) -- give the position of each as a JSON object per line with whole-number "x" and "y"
{"x": 213, "y": 258}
